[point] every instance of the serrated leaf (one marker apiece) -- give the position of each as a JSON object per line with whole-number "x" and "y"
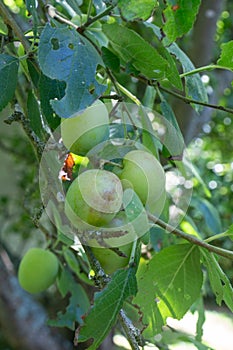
{"x": 220, "y": 284}
{"x": 179, "y": 17}
{"x": 34, "y": 115}
{"x": 194, "y": 86}
{"x": 136, "y": 9}
{"x": 107, "y": 304}
{"x": 67, "y": 56}
{"x": 8, "y": 78}
{"x": 134, "y": 50}
{"x": 78, "y": 302}
{"x": 50, "y": 89}
{"x": 226, "y": 57}
{"x": 168, "y": 285}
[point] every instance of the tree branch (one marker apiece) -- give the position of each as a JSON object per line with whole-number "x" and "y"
{"x": 190, "y": 101}
{"x": 190, "y": 238}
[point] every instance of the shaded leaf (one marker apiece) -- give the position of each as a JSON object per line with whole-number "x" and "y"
{"x": 226, "y": 57}
{"x": 107, "y": 304}
{"x": 8, "y": 78}
{"x": 110, "y": 60}
{"x": 220, "y": 284}
{"x": 134, "y": 50}
{"x": 78, "y": 302}
{"x": 210, "y": 213}
{"x": 168, "y": 285}
{"x": 49, "y": 90}
{"x": 62, "y": 53}
{"x": 136, "y": 9}
{"x": 179, "y": 17}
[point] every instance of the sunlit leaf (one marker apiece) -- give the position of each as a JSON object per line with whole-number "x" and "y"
{"x": 136, "y": 9}
{"x": 220, "y": 284}
{"x": 180, "y": 17}
{"x": 226, "y": 58}
{"x": 168, "y": 285}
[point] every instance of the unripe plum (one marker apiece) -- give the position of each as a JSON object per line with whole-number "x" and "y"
{"x": 95, "y": 197}
{"x": 86, "y": 130}
{"x": 37, "y": 270}
{"x": 143, "y": 172}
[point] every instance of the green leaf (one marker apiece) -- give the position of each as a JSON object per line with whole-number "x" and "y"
{"x": 78, "y": 302}
{"x": 226, "y": 57}
{"x": 34, "y": 115}
{"x": 134, "y": 50}
{"x": 107, "y": 304}
{"x": 110, "y": 60}
{"x": 8, "y": 78}
{"x": 62, "y": 53}
{"x": 136, "y": 9}
{"x": 194, "y": 86}
{"x": 168, "y": 285}
{"x": 50, "y": 89}
{"x": 180, "y": 17}
{"x": 229, "y": 232}
{"x": 220, "y": 284}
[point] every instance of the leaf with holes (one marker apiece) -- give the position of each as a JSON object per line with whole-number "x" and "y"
{"x": 67, "y": 56}
{"x": 168, "y": 285}
{"x": 8, "y": 78}
{"x": 107, "y": 304}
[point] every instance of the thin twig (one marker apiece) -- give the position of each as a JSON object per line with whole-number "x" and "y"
{"x": 192, "y": 239}
{"x": 201, "y": 103}
{"x": 53, "y": 14}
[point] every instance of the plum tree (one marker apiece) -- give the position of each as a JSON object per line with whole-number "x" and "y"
{"x": 143, "y": 172}
{"x": 83, "y": 132}
{"x": 37, "y": 270}
{"x": 95, "y": 197}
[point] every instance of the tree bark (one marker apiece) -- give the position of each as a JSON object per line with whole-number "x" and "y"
{"x": 22, "y": 319}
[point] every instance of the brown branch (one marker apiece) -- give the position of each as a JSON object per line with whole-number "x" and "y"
{"x": 190, "y": 238}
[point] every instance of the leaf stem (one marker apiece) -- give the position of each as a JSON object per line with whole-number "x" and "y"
{"x": 100, "y": 15}
{"x": 189, "y": 101}
{"x": 9, "y": 19}
{"x": 203, "y": 69}
{"x": 192, "y": 239}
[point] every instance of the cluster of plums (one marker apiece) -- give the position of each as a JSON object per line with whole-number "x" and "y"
{"x": 94, "y": 199}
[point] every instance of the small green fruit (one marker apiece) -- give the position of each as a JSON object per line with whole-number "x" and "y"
{"x": 38, "y": 270}
{"x": 83, "y": 132}
{"x": 95, "y": 197}
{"x": 143, "y": 172}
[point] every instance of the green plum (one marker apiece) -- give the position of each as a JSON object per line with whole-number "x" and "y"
{"x": 95, "y": 197}
{"x": 37, "y": 270}
{"x": 86, "y": 130}
{"x": 143, "y": 172}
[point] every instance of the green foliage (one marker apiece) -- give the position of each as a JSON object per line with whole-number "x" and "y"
{"x": 9, "y": 71}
